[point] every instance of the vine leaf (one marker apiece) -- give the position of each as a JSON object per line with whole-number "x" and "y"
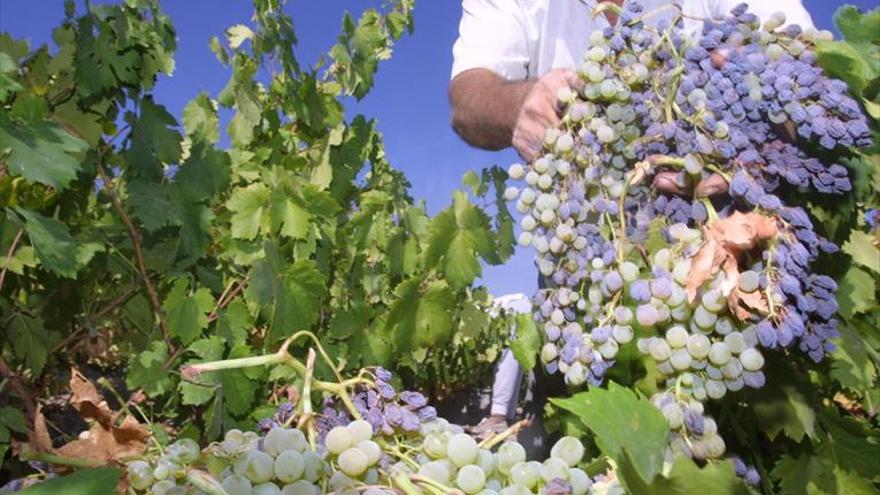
{"x": 527, "y": 342}
{"x": 785, "y": 404}
{"x": 248, "y": 205}
{"x": 187, "y": 314}
{"x": 82, "y": 482}
{"x": 852, "y": 366}
{"x": 685, "y": 478}
{"x": 625, "y": 425}
{"x": 31, "y": 340}
{"x": 420, "y": 315}
{"x": 146, "y": 371}
{"x": 861, "y": 247}
{"x": 41, "y": 151}
{"x": 459, "y": 234}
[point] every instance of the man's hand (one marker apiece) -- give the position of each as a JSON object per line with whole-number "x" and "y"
{"x": 539, "y": 110}
{"x": 668, "y": 182}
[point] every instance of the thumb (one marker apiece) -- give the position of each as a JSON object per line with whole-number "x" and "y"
{"x": 574, "y": 81}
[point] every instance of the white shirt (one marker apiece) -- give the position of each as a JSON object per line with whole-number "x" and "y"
{"x": 523, "y": 39}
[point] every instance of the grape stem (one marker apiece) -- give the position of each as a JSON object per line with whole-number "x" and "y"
{"x": 282, "y": 356}
{"x": 428, "y": 482}
{"x": 308, "y": 415}
{"x": 27, "y": 454}
{"x": 512, "y": 430}
{"x": 404, "y": 484}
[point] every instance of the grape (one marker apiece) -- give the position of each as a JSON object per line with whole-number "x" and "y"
{"x": 509, "y": 454}
{"x": 580, "y": 481}
{"x": 289, "y": 466}
{"x": 659, "y": 349}
{"x": 300, "y": 487}
{"x": 623, "y": 334}
{"x": 698, "y": 345}
{"x": 719, "y": 354}
{"x": 748, "y": 281}
{"x": 372, "y": 450}
{"x": 677, "y": 336}
{"x": 673, "y": 414}
{"x": 751, "y": 359}
{"x": 704, "y": 318}
{"x": 353, "y": 461}
{"x": 436, "y": 471}
{"x": 471, "y": 479}
{"x": 359, "y": 431}
{"x": 462, "y": 449}
{"x": 523, "y": 473}
{"x": 680, "y": 359}
{"x": 314, "y": 466}
{"x": 268, "y": 488}
{"x": 257, "y": 466}
{"x": 338, "y": 440}
{"x": 184, "y": 451}
{"x": 568, "y": 449}
{"x": 715, "y": 389}
{"x": 516, "y": 171}
{"x": 280, "y": 439}
{"x": 237, "y": 485}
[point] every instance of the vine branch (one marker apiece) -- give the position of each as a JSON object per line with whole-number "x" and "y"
{"x": 9, "y": 253}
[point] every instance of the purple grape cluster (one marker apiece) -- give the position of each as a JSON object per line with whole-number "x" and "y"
{"x": 386, "y": 409}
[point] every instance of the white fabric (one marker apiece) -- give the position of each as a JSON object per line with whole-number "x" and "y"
{"x": 523, "y": 39}
{"x": 505, "y": 387}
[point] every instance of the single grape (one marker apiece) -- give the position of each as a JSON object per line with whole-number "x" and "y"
{"x": 237, "y": 485}
{"x": 749, "y": 281}
{"x": 301, "y": 487}
{"x": 462, "y": 449}
{"x": 257, "y": 466}
{"x": 751, "y": 359}
{"x": 569, "y": 449}
{"x": 523, "y": 473}
{"x": 140, "y": 474}
{"x": 353, "y": 462}
{"x": 471, "y": 479}
{"x": 267, "y": 488}
{"x": 289, "y": 466}
{"x": 677, "y": 336}
{"x": 698, "y": 345}
{"x": 372, "y": 449}
{"x": 719, "y": 354}
{"x": 338, "y": 440}
{"x": 553, "y": 468}
{"x": 437, "y": 471}
{"x": 509, "y": 454}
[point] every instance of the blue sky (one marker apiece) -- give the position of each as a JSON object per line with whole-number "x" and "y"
{"x": 409, "y": 99}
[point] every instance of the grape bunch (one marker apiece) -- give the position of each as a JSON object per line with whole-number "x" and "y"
{"x": 340, "y": 451}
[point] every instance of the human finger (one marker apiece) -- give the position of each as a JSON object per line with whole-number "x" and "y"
{"x": 710, "y": 186}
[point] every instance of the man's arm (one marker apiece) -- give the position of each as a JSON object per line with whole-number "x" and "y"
{"x": 492, "y": 113}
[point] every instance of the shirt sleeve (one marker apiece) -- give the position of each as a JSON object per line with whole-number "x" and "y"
{"x": 492, "y": 35}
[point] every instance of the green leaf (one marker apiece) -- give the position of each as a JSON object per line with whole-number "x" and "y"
{"x": 420, "y": 315}
{"x": 860, "y": 246}
{"x": 187, "y": 313}
{"x": 290, "y": 295}
{"x": 13, "y": 418}
{"x": 655, "y": 241}
{"x": 458, "y": 236}
{"x": 154, "y": 141}
{"x": 685, "y": 478}
{"x": 82, "y": 482}
{"x": 292, "y": 218}
{"x": 861, "y": 31}
{"x": 234, "y": 322}
{"x": 200, "y": 118}
{"x": 25, "y": 256}
{"x": 248, "y": 205}
{"x": 855, "y": 292}
{"x": 852, "y": 366}
{"x": 202, "y": 387}
{"x": 624, "y": 424}
{"x": 55, "y": 247}
{"x": 41, "y": 151}
{"x": 146, "y": 371}
{"x": 785, "y": 404}
{"x": 527, "y": 344}
{"x": 31, "y": 340}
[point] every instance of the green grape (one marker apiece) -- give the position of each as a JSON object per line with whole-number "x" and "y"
{"x": 580, "y": 481}
{"x": 486, "y": 461}
{"x": 676, "y": 336}
{"x": 523, "y": 473}
{"x": 623, "y": 334}
{"x": 714, "y": 446}
{"x": 353, "y": 462}
{"x": 280, "y": 439}
{"x": 516, "y": 489}
{"x": 372, "y": 449}
{"x": 237, "y": 485}
{"x": 359, "y": 430}
{"x": 258, "y": 466}
{"x": 509, "y": 454}
{"x": 553, "y": 468}
{"x": 628, "y": 271}
{"x": 437, "y": 471}
{"x": 267, "y": 488}
{"x": 723, "y": 326}
{"x": 673, "y": 414}
{"x": 339, "y": 481}
{"x": 289, "y": 466}
{"x": 749, "y": 281}
{"x": 735, "y": 342}
{"x": 698, "y": 345}
{"x": 732, "y": 369}
{"x": 338, "y": 440}
{"x": 301, "y": 487}
{"x": 461, "y": 449}
{"x": 692, "y": 164}
{"x": 376, "y": 491}
{"x": 774, "y": 22}
{"x": 719, "y": 354}
{"x": 516, "y": 171}
{"x": 185, "y": 451}
{"x": 165, "y": 468}
{"x": 471, "y": 479}
{"x": 568, "y": 449}
{"x": 314, "y": 466}
{"x": 140, "y": 474}
{"x": 713, "y": 300}
{"x": 680, "y": 359}
{"x": 233, "y": 440}
{"x": 704, "y": 318}
{"x": 659, "y": 349}
{"x": 751, "y": 359}
{"x": 371, "y": 477}
{"x": 715, "y": 389}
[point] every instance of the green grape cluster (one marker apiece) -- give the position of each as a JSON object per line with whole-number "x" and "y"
{"x": 439, "y": 458}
